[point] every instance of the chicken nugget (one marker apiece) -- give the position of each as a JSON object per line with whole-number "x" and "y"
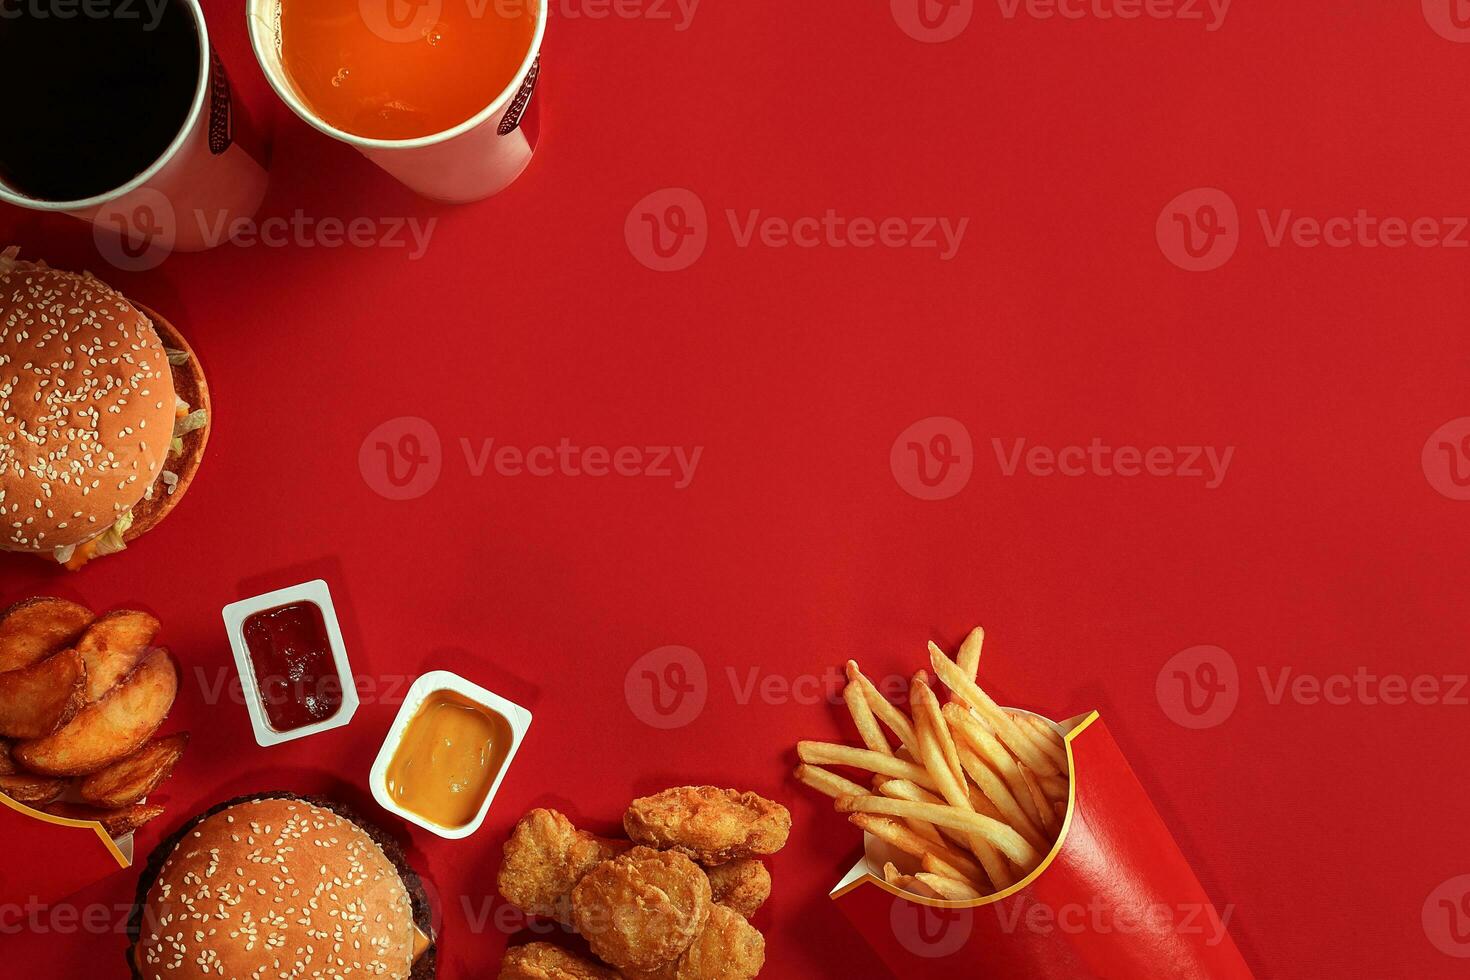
{"x": 743, "y": 885}
{"x": 709, "y": 824}
{"x": 729, "y": 948}
{"x": 543, "y": 961}
{"x": 545, "y": 857}
{"x": 640, "y": 911}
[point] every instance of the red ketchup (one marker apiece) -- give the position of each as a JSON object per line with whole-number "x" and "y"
{"x": 291, "y": 656}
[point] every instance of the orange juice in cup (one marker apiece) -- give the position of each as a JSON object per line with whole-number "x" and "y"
{"x": 436, "y": 92}
{"x": 400, "y": 69}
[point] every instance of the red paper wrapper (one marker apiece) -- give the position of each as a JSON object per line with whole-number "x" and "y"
{"x": 1115, "y": 898}
{"x": 50, "y": 858}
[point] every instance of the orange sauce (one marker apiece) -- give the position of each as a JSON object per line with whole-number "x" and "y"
{"x": 450, "y": 753}
{"x": 403, "y": 69}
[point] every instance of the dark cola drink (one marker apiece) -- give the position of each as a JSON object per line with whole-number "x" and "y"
{"x": 96, "y": 91}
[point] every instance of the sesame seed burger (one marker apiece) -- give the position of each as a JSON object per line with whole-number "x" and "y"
{"x": 105, "y": 414}
{"x": 280, "y": 886}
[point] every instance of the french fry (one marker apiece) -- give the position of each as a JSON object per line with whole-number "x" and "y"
{"x": 131, "y": 779}
{"x": 891, "y": 831}
{"x": 882, "y": 707}
{"x": 902, "y": 789}
{"x": 1052, "y": 749}
{"x": 907, "y": 883}
{"x": 948, "y": 889}
{"x": 1000, "y": 723}
{"x": 37, "y": 700}
{"x": 113, "y": 646}
{"x": 1048, "y": 819}
{"x": 925, "y": 830}
{"x": 118, "y": 823}
{"x": 1050, "y": 741}
{"x": 827, "y": 782}
{"x": 969, "y": 656}
{"x": 934, "y": 864}
{"x": 1054, "y": 788}
{"x": 894, "y": 832}
{"x": 1010, "y": 843}
{"x": 112, "y": 729}
{"x": 833, "y": 754}
{"x": 885, "y": 710}
{"x": 31, "y": 790}
{"x": 974, "y": 735}
{"x": 33, "y": 630}
{"x": 862, "y": 717}
{"x": 925, "y": 707}
{"x": 957, "y": 793}
{"x": 941, "y": 865}
{"x": 996, "y": 792}
{"x": 950, "y": 847}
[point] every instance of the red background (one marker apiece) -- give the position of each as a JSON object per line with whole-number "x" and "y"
{"x": 1060, "y": 320}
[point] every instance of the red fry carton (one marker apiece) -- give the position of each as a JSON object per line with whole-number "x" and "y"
{"x": 51, "y": 857}
{"x": 1114, "y": 899}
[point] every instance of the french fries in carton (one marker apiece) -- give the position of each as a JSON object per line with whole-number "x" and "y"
{"x": 1114, "y": 898}
{"x": 81, "y": 703}
{"x": 1000, "y": 844}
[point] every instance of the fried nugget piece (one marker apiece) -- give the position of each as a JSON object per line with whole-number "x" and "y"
{"x": 543, "y": 961}
{"x": 742, "y": 885}
{"x": 729, "y": 948}
{"x": 545, "y": 857}
{"x": 642, "y": 910}
{"x": 709, "y": 824}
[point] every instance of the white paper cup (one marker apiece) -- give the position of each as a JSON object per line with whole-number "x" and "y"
{"x": 205, "y": 176}
{"x": 476, "y": 159}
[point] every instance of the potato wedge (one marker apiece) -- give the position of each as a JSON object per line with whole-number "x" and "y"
{"x": 31, "y": 631}
{"x": 118, "y": 823}
{"x": 113, "y": 646}
{"x": 31, "y": 790}
{"x": 39, "y": 699}
{"x": 113, "y": 728}
{"x": 136, "y": 776}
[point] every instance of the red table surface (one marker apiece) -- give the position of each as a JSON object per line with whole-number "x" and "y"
{"x": 1327, "y": 547}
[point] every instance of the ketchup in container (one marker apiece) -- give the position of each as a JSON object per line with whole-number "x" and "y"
{"x": 291, "y": 656}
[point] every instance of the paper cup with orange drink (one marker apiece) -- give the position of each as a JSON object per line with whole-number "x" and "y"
{"x": 439, "y": 93}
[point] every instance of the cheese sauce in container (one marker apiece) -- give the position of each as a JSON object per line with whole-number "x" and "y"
{"x": 446, "y": 754}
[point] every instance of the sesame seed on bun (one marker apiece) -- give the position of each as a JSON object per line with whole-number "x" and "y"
{"x": 277, "y": 887}
{"x": 89, "y": 402}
